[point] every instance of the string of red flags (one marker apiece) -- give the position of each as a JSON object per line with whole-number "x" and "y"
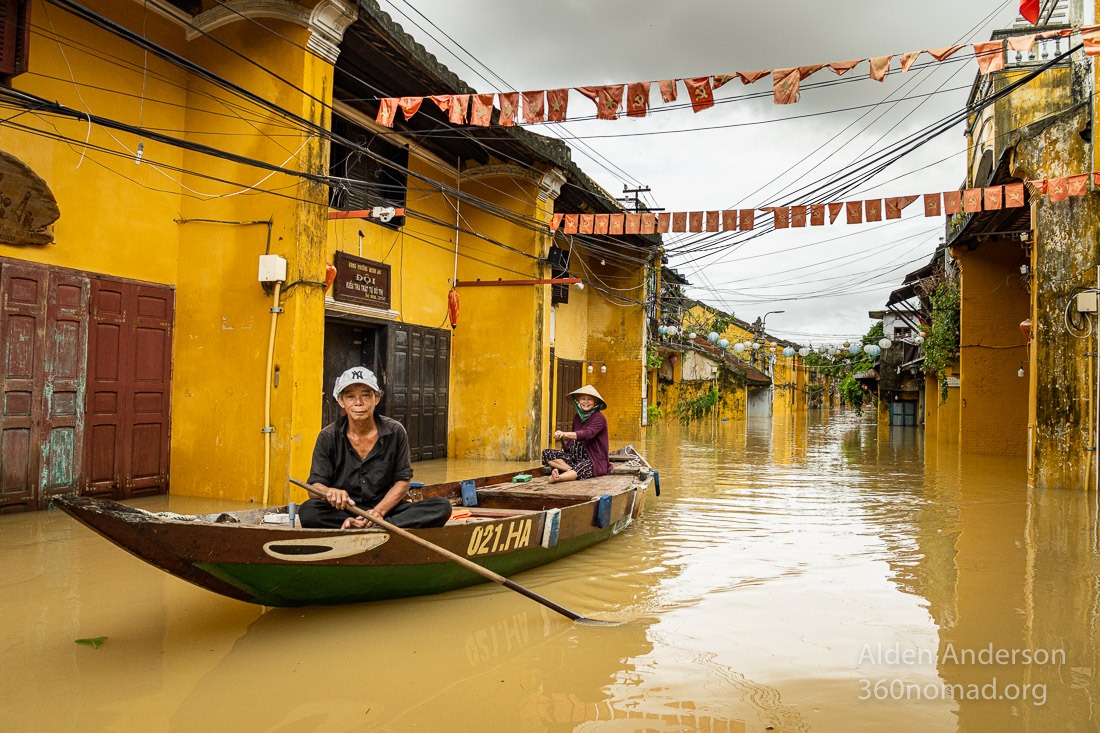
{"x": 968, "y": 201}
{"x": 633, "y": 99}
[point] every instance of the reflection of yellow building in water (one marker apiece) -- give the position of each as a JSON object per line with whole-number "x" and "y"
{"x": 180, "y": 141}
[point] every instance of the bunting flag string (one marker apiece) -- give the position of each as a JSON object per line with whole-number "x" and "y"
{"x": 550, "y": 105}
{"x": 968, "y": 201}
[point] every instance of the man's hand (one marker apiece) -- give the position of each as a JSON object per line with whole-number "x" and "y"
{"x": 339, "y": 498}
{"x": 361, "y": 522}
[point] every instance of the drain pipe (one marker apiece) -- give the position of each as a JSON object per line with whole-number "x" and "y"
{"x": 272, "y": 270}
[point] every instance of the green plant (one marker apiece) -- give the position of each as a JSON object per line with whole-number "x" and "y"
{"x": 941, "y": 338}
{"x": 695, "y": 408}
{"x": 653, "y": 414}
{"x": 653, "y": 360}
{"x": 851, "y": 393}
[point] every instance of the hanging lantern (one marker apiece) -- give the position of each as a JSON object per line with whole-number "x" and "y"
{"x": 692, "y": 335}
{"x": 918, "y": 339}
{"x": 847, "y": 344}
{"x": 872, "y": 349}
{"x": 712, "y": 336}
{"x": 452, "y": 308}
{"x": 885, "y": 343}
{"x": 671, "y": 330}
{"x": 330, "y": 275}
{"x": 603, "y": 368}
{"x": 739, "y": 347}
{"x": 788, "y": 352}
{"x": 723, "y": 343}
{"x": 662, "y": 330}
{"x": 755, "y": 346}
{"x": 804, "y": 352}
{"x": 854, "y": 349}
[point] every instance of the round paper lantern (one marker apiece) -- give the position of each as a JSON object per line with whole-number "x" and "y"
{"x": 739, "y": 347}
{"x": 788, "y": 352}
{"x": 804, "y": 352}
{"x": 854, "y": 349}
{"x": 662, "y": 330}
{"x": 885, "y": 344}
{"x": 671, "y": 330}
{"x": 712, "y": 336}
{"x": 918, "y": 340}
{"x": 723, "y": 343}
{"x": 872, "y": 349}
{"x": 755, "y": 346}
{"x": 692, "y": 335}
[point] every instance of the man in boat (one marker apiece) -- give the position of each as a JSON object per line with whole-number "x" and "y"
{"x": 585, "y": 448}
{"x": 362, "y": 460}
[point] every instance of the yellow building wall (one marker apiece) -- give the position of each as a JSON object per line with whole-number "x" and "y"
{"x": 124, "y": 219}
{"x": 223, "y": 317}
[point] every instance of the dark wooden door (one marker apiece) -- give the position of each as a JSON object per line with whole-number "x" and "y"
{"x": 129, "y": 389}
{"x": 417, "y": 381}
{"x": 348, "y": 345}
{"x": 570, "y": 374}
{"x": 43, "y": 324}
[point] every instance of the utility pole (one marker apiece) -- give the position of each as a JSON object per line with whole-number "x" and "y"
{"x": 633, "y": 200}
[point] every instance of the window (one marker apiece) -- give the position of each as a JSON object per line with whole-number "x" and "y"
{"x": 559, "y": 267}
{"x": 375, "y": 178}
{"x": 14, "y": 37}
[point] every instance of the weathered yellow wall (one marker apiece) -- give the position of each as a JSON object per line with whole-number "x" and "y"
{"x": 116, "y": 217}
{"x": 497, "y": 374}
{"x": 994, "y": 301}
{"x": 222, "y": 313}
{"x": 120, "y": 219}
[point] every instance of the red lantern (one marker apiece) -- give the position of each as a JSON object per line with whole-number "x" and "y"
{"x": 330, "y": 275}
{"x": 452, "y": 308}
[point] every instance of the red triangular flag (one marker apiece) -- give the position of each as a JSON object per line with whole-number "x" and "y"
{"x": 410, "y": 105}
{"x": 843, "y": 67}
{"x": 834, "y": 212}
{"x": 880, "y": 67}
{"x": 908, "y": 59}
{"x": 748, "y": 77}
{"x": 1029, "y": 9}
{"x": 941, "y": 54}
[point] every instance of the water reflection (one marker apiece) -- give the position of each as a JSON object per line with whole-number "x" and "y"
{"x": 816, "y": 573}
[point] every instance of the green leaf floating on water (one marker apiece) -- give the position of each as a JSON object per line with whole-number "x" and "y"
{"x": 95, "y": 642}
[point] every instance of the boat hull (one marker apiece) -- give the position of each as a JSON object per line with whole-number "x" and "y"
{"x": 239, "y": 556}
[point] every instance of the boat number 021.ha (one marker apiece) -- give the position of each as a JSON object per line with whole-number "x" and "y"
{"x": 500, "y": 537}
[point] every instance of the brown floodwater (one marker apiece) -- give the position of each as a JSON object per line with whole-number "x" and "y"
{"x": 815, "y": 574}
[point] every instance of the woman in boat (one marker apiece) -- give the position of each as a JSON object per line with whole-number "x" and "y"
{"x": 584, "y": 449}
{"x": 362, "y": 460}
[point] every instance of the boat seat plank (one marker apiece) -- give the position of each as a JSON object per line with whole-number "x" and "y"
{"x": 592, "y": 488}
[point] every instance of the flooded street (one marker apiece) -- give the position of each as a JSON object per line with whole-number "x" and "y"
{"x": 821, "y": 574}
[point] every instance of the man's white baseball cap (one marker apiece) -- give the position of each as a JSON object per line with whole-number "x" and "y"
{"x": 355, "y": 375}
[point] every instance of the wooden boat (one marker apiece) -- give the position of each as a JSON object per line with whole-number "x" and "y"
{"x": 258, "y": 557}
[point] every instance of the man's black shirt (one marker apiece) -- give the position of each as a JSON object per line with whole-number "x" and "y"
{"x": 337, "y": 465}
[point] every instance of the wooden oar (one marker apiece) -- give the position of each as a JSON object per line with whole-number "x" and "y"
{"x": 472, "y": 566}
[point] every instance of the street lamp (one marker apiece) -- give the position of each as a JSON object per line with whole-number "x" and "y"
{"x": 764, "y": 320}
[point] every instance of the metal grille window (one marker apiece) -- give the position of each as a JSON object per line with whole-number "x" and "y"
{"x": 374, "y": 178}
{"x": 559, "y": 267}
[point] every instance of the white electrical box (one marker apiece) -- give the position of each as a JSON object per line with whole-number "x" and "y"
{"x": 272, "y": 269}
{"x": 1087, "y": 301}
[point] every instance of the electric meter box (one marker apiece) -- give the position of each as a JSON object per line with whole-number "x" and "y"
{"x": 1087, "y": 301}
{"x": 272, "y": 269}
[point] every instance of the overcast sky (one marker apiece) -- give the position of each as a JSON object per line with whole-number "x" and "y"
{"x": 826, "y": 279}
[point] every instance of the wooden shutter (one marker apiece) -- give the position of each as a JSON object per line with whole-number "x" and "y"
{"x": 14, "y": 37}
{"x": 569, "y": 379}
{"x": 416, "y": 383}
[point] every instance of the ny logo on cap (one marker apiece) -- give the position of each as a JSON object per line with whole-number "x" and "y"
{"x": 357, "y": 375}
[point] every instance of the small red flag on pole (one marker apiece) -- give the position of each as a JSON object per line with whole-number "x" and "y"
{"x": 1030, "y": 10}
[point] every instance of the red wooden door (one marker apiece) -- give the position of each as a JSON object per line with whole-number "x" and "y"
{"x": 62, "y": 431}
{"x": 21, "y": 319}
{"x": 129, "y": 380}
{"x": 43, "y": 326}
